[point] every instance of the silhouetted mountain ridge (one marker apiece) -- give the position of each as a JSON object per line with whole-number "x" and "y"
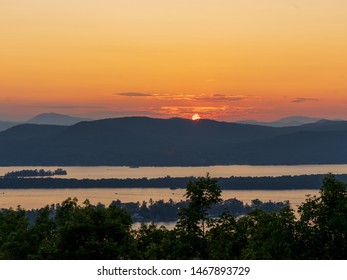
{"x": 146, "y": 141}
{"x": 284, "y": 122}
{"x": 5, "y": 125}
{"x": 56, "y": 119}
{"x": 45, "y": 118}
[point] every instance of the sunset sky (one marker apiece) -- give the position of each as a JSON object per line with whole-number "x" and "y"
{"x": 223, "y": 59}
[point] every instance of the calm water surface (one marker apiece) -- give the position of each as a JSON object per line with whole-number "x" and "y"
{"x": 37, "y": 198}
{"x": 122, "y": 172}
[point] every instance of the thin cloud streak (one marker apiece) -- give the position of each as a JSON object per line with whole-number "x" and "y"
{"x": 225, "y": 97}
{"x": 66, "y": 107}
{"x": 206, "y": 112}
{"x": 186, "y": 97}
{"x": 303, "y": 99}
{"x": 120, "y": 114}
{"x": 134, "y": 94}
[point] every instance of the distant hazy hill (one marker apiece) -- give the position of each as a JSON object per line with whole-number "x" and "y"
{"x": 46, "y": 118}
{"x": 289, "y": 121}
{"x": 6, "y": 125}
{"x": 163, "y": 142}
{"x": 55, "y": 119}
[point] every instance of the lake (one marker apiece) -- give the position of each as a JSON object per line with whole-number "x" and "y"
{"x": 122, "y": 172}
{"x": 36, "y": 198}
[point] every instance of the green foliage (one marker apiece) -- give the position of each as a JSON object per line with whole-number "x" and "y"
{"x": 14, "y": 235}
{"x": 74, "y": 231}
{"x": 194, "y": 219}
{"x": 202, "y": 195}
{"x": 323, "y": 223}
{"x": 271, "y": 236}
{"x": 223, "y": 238}
{"x": 155, "y": 242}
{"x": 77, "y": 232}
{"x": 91, "y": 232}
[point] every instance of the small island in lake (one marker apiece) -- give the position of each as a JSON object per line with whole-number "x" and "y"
{"x": 35, "y": 173}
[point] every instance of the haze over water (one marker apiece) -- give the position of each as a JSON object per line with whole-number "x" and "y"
{"x": 36, "y": 198}
{"x": 223, "y": 171}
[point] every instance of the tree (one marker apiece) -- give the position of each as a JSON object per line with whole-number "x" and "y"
{"x": 270, "y": 236}
{"x": 15, "y": 240}
{"x": 223, "y": 241}
{"x": 153, "y": 242}
{"x": 42, "y": 231}
{"x": 90, "y": 232}
{"x": 323, "y": 223}
{"x": 194, "y": 218}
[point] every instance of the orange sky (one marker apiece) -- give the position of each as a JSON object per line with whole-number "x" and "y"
{"x": 226, "y": 60}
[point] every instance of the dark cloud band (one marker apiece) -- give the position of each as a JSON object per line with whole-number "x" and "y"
{"x": 133, "y": 94}
{"x": 303, "y": 99}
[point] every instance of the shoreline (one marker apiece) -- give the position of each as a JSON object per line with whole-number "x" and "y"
{"x": 297, "y": 182}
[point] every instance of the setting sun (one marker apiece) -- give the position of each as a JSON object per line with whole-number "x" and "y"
{"x": 196, "y": 117}
{"x": 231, "y": 61}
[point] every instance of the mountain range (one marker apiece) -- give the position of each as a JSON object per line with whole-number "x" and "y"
{"x": 289, "y": 121}
{"x": 45, "y": 118}
{"x": 142, "y": 141}
{"x": 56, "y": 119}
{"x": 5, "y": 125}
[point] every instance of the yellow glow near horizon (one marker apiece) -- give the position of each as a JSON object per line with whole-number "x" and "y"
{"x": 196, "y": 117}
{"x": 234, "y": 59}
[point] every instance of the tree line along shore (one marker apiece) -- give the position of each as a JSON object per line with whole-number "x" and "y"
{"x": 231, "y": 183}
{"x": 86, "y": 231}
